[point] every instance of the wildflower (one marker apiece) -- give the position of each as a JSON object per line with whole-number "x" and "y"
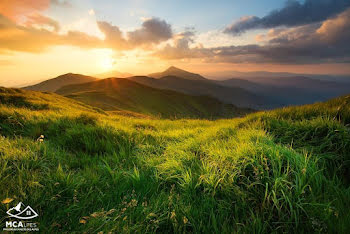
{"x": 41, "y": 138}
{"x": 82, "y": 221}
{"x": 173, "y": 215}
{"x": 133, "y": 203}
{"x": 185, "y": 220}
{"x": 7, "y": 200}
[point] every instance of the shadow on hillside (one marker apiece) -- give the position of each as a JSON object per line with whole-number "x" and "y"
{"x": 21, "y": 102}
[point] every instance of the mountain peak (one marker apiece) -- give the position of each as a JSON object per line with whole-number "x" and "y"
{"x": 174, "y": 71}
{"x": 173, "y": 68}
{"x": 70, "y": 74}
{"x": 56, "y": 83}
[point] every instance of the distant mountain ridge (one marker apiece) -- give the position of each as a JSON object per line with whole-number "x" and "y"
{"x": 174, "y": 71}
{"x": 52, "y": 85}
{"x": 113, "y": 94}
{"x": 285, "y": 91}
{"x": 225, "y": 75}
{"x": 233, "y": 95}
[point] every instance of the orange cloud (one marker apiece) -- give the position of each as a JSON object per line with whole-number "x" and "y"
{"x": 41, "y": 20}
{"x": 16, "y": 10}
{"x": 40, "y": 32}
{"x": 20, "y": 38}
{"x": 260, "y": 37}
{"x": 336, "y": 29}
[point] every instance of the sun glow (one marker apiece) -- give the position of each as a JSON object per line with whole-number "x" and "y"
{"x": 107, "y": 63}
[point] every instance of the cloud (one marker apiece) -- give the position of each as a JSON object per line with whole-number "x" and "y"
{"x": 324, "y": 42}
{"x": 23, "y": 27}
{"x": 15, "y": 37}
{"x": 19, "y": 9}
{"x": 292, "y": 14}
{"x": 41, "y": 20}
{"x": 336, "y": 30}
{"x": 39, "y": 33}
{"x": 153, "y": 31}
{"x": 113, "y": 36}
{"x": 62, "y": 3}
{"x": 260, "y": 37}
{"x": 321, "y": 41}
{"x": 243, "y": 24}
{"x": 180, "y": 48}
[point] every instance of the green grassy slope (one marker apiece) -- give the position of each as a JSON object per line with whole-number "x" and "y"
{"x": 122, "y": 94}
{"x": 278, "y": 171}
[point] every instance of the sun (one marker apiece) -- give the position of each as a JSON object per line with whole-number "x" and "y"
{"x": 107, "y": 63}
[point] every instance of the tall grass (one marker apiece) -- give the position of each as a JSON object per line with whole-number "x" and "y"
{"x": 278, "y": 171}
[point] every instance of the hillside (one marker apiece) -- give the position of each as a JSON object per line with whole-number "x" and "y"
{"x": 174, "y": 71}
{"x": 234, "y": 95}
{"x": 174, "y": 117}
{"x": 278, "y": 171}
{"x": 123, "y": 94}
{"x": 54, "y": 84}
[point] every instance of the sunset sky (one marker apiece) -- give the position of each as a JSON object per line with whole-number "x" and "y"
{"x": 40, "y": 39}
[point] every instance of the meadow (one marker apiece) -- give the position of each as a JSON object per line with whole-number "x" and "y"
{"x": 87, "y": 170}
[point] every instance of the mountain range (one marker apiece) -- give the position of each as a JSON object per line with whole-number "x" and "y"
{"x": 247, "y": 92}
{"x": 224, "y": 75}
{"x": 117, "y": 94}
{"x": 290, "y": 90}
{"x": 233, "y": 95}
